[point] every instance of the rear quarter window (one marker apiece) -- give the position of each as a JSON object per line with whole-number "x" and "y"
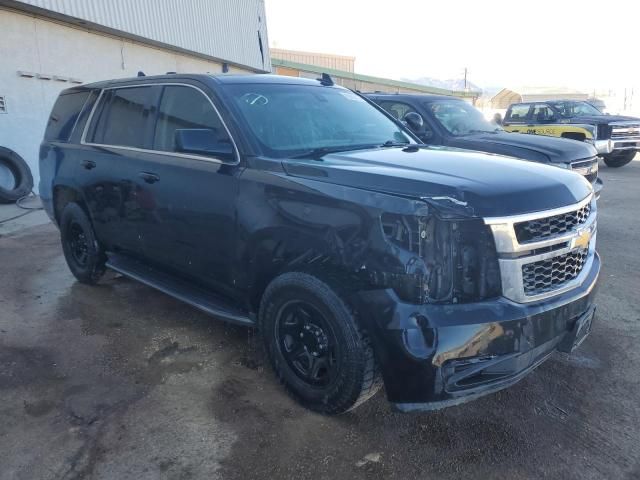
{"x": 64, "y": 116}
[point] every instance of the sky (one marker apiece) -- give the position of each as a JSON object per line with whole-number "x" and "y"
{"x": 561, "y": 43}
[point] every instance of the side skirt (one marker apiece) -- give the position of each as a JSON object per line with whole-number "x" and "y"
{"x": 193, "y": 295}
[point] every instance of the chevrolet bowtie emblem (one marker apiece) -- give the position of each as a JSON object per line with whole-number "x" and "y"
{"x": 582, "y": 240}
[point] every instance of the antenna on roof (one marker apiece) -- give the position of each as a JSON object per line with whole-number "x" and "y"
{"x": 326, "y": 80}
{"x": 141, "y": 73}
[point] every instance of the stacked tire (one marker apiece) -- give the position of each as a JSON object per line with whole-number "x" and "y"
{"x": 20, "y": 180}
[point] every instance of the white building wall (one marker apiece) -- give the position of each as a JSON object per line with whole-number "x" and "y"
{"x": 45, "y": 47}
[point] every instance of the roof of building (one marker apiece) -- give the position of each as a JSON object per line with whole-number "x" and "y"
{"x": 370, "y": 79}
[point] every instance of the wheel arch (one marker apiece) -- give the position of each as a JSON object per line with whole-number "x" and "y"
{"x": 574, "y": 136}
{"x": 65, "y": 194}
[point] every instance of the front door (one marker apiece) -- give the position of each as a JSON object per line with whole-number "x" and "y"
{"x": 189, "y": 224}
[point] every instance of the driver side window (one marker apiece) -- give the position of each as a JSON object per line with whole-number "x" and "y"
{"x": 186, "y": 108}
{"x": 542, "y": 113}
{"x": 400, "y": 109}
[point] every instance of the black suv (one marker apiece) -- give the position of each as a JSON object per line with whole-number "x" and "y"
{"x": 299, "y": 207}
{"x": 452, "y": 122}
{"x": 616, "y": 138}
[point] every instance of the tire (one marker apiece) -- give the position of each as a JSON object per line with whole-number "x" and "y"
{"x": 22, "y": 178}
{"x": 84, "y": 256}
{"x": 617, "y": 160}
{"x": 291, "y": 303}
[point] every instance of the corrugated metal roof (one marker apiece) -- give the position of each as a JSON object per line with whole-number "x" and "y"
{"x": 234, "y": 31}
{"x": 370, "y": 79}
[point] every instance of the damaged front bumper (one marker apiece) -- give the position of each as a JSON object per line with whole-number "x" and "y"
{"x": 433, "y": 356}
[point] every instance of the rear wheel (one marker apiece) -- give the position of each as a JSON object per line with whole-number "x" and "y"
{"x": 315, "y": 346}
{"x": 85, "y": 257}
{"x": 616, "y": 160}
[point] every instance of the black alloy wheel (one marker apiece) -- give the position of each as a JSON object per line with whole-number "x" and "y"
{"x": 307, "y": 343}
{"x": 316, "y": 345}
{"x": 78, "y": 244}
{"x": 82, "y": 251}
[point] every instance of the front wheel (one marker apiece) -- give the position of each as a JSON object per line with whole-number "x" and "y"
{"x": 616, "y": 160}
{"x": 315, "y": 345}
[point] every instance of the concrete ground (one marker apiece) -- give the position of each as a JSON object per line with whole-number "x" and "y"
{"x": 122, "y": 382}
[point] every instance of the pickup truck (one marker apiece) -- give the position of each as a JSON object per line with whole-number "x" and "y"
{"x": 616, "y": 138}
{"x": 452, "y": 122}
{"x": 298, "y": 207}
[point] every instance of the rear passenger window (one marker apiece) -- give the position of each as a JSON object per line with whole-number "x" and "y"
{"x": 64, "y": 115}
{"x": 185, "y": 108}
{"x": 122, "y": 117}
{"x": 519, "y": 113}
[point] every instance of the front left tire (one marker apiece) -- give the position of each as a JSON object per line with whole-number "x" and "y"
{"x": 84, "y": 255}
{"x": 315, "y": 345}
{"x": 620, "y": 159}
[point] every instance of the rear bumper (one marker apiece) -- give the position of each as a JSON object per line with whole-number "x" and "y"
{"x": 434, "y": 356}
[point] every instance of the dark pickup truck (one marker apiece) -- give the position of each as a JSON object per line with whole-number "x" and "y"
{"x": 452, "y": 122}
{"x": 298, "y": 207}
{"x": 616, "y": 138}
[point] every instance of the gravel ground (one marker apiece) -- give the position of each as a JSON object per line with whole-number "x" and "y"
{"x": 122, "y": 382}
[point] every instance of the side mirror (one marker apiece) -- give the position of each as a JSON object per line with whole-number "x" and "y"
{"x": 414, "y": 121}
{"x": 202, "y": 141}
{"x": 497, "y": 118}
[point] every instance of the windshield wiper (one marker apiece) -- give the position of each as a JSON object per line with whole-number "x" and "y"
{"x": 391, "y": 143}
{"x": 484, "y": 131}
{"x": 317, "y": 153}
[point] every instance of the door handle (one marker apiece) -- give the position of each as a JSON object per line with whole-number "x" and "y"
{"x": 88, "y": 164}
{"x": 149, "y": 177}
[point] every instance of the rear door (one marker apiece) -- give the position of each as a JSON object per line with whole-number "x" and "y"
{"x": 119, "y": 130}
{"x": 189, "y": 222}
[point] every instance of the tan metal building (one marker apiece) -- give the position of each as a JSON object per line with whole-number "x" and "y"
{"x": 326, "y": 60}
{"x": 506, "y": 96}
{"x": 356, "y": 81}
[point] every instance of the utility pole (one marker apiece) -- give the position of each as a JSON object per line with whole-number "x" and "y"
{"x": 465, "y": 79}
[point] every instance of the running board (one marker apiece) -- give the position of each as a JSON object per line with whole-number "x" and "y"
{"x": 180, "y": 289}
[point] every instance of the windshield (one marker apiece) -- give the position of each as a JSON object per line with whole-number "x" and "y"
{"x": 460, "y": 118}
{"x": 292, "y": 120}
{"x": 575, "y": 109}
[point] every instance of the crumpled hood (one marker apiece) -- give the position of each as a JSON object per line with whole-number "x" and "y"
{"x": 593, "y": 119}
{"x": 485, "y": 185}
{"x": 528, "y": 147}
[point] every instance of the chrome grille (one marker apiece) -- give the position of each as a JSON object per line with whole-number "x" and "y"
{"x": 625, "y": 130}
{"x": 543, "y": 254}
{"x": 541, "y": 228}
{"x": 547, "y": 275}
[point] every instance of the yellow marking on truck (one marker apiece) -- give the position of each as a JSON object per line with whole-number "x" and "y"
{"x": 549, "y": 130}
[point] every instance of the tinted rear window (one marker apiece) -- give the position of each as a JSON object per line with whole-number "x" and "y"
{"x": 122, "y": 117}
{"x": 64, "y": 115}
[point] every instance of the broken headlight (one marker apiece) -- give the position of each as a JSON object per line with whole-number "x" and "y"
{"x": 444, "y": 261}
